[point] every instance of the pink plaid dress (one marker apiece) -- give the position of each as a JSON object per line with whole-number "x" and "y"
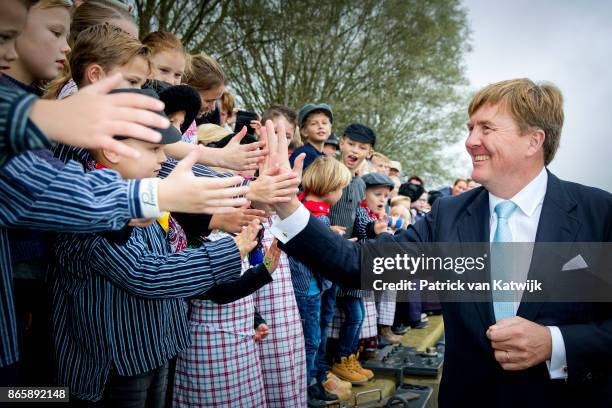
{"x": 369, "y": 327}
{"x": 282, "y": 353}
{"x": 386, "y": 308}
{"x": 221, "y": 368}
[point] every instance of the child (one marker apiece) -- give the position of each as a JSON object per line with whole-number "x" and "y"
{"x": 228, "y": 114}
{"x": 168, "y": 57}
{"x": 331, "y": 146}
{"x": 323, "y": 182}
{"x": 222, "y": 367}
{"x": 43, "y": 46}
{"x": 380, "y": 163}
{"x": 315, "y": 122}
{"x": 355, "y": 146}
{"x": 103, "y": 50}
{"x": 107, "y": 328}
{"x": 85, "y": 16}
{"x": 282, "y": 114}
{"x": 207, "y": 77}
{"x": 282, "y": 354}
{"x": 181, "y": 105}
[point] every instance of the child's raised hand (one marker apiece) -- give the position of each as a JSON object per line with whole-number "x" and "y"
{"x": 239, "y": 157}
{"x": 261, "y": 332}
{"x": 91, "y": 118}
{"x": 246, "y": 241}
{"x": 233, "y": 222}
{"x": 182, "y": 191}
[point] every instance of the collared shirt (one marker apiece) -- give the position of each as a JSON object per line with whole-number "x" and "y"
{"x": 526, "y": 217}
{"x": 120, "y": 304}
{"x": 523, "y": 224}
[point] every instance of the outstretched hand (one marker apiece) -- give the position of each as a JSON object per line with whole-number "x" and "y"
{"x": 246, "y": 241}
{"x": 95, "y": 117}
{"x": 184, "y": 192}
{"x": 241, "y": 157}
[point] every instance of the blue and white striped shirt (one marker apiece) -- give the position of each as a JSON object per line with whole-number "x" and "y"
{"x": 34, "y": 194}
{"x": 17, "y": 132}
{"x": 120, "y": 304}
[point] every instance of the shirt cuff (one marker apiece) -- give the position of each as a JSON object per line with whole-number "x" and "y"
{"x": 286, "y": 229}
{"x": 557, "y": 365}
{"x": 147, "y": 196}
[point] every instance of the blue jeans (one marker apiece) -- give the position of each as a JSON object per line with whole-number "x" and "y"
{"x": 354, "y": 313}
{"x": 328, "y": 303}
{"x": 310, "y": 314}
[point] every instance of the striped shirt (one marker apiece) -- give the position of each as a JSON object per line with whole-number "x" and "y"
{"x": 362, "y": 219}
{"x": 120, "y": 304}
{"x": 34, "y": 194}
{"x": 344, "y": 211}
{"x": 17, "y": 132}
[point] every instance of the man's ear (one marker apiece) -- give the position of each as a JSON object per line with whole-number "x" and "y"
{"x": 536, "y": 141}
{"x": 94, "y": 73}
{"x": 111, "y": 156}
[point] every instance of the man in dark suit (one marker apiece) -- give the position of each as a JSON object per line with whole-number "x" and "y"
{"x": 501, "y": 354}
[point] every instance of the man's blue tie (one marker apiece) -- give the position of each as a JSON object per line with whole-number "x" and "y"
{"x": 500, "y": 258}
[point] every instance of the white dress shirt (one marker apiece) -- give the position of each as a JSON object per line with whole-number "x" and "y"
{"x": 523, "y": 223}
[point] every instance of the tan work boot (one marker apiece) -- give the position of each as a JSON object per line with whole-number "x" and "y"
{"x": 336, "y": 386}
{"x": 344, "y": 384}
{"x": 344, "y": 370}
{"x": 356, "y": 365}
{"x": 389, "y": 336}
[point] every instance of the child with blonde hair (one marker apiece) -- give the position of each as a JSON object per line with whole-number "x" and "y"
{"x": 323, "y": 182}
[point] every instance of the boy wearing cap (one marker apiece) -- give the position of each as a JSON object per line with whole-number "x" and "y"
{"x": 118, "y": 313}
{"x": 331, "y": 146}
{"x": 315, "y": 122}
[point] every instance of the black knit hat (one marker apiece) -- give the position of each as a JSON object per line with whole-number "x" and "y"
{"x": 414, "y": 191}
{"x": 360, "y": 133}
{"x": 181, "y": 98}
{"x": 170, "y": 134}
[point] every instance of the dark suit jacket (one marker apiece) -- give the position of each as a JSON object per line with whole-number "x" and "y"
{"x": 471, "y": 376}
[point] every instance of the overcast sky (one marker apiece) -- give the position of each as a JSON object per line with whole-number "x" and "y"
{"x": 568, "y": 43}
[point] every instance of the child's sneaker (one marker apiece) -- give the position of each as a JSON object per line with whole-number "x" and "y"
{"x": 344, "y": 369}
{"x": 338, "y": 387}
{"x": 356, "y": 366}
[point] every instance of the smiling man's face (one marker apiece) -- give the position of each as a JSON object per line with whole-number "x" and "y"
{"x": 496, "y": 146}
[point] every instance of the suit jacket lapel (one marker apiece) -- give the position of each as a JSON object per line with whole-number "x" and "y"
{"x": 474, "y": 227}
{"x": 556, "y": 224}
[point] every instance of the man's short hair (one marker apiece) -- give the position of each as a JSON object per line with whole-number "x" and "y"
{"x": 531, "y": 105}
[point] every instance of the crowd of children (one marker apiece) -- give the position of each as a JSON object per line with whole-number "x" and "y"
{"x": 137, "y": 266}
